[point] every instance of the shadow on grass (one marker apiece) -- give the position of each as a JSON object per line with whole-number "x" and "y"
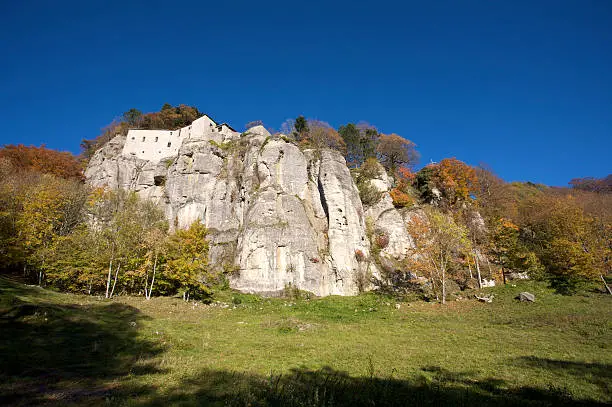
{"x": 69, "y": 354}
{"x": 599, "y": 374}
{"x": 64, "y": 354}
{"x": 328, "y": 387}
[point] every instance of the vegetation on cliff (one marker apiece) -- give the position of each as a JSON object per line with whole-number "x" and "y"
{"x": 60, "y": 232}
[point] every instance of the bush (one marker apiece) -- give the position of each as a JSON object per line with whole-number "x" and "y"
{"x": 368, "y": 193}
{"x": 369, "y": 170}
{"x": 401, "y": 199}
{"x": 381, "y": 240}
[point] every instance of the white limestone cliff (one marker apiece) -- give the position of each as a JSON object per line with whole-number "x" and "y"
{"x": 277, "y": 215}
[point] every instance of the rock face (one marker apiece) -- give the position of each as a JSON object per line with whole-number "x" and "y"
{"x": 277, "y": 215}
{"x": 390, "y": 222}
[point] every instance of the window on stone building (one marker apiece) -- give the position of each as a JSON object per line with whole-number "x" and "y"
{"x": 133, "y": 138}
{"x": 169, "y": 144}
{"x": 143, "y": 139}
{"x": 156, "y": 138}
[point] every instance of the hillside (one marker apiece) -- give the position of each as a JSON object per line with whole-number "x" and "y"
{"x": 63, "y": 349}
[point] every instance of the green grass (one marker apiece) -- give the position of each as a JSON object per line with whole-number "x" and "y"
{"x": 63, "y": 349}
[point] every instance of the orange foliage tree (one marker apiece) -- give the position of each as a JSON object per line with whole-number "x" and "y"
{"x": 400, "y": 196}
{"x": 455, "y": 180}
{"x": 43, "y": 160}
{"x": 395, "y": 151}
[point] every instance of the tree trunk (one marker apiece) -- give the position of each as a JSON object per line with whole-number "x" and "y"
{"x": 108, "y": 280}
{"x": 470, "y": 268}
{"x": 153, "y": 278}
{"x": 146, "y": 285}
{"x": 489, "y": 264}
{"x": 443, "y": 267}
{"x": 477, "y": 269}
{"x": 115, "y": 282}
{"x": 607, "y": 286}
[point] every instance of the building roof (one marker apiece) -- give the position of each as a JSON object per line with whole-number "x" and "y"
{"x": 205, "y": 115}
{"x": 227, "y": 125}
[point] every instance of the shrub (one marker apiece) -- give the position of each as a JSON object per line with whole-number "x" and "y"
{"x": 381, "y": 240}
{"x": 369, "y": 170}
{"x": 368, "y": 193}
{"x": 400, "y": 199}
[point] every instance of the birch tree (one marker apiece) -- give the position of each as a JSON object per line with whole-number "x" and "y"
{"x": 439, "y": 243}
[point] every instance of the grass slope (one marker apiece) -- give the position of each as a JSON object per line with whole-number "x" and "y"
{"x": 63, "y": 349}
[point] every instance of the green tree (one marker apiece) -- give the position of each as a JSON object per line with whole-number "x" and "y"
{"x": 121, "y": 222}
{"x": 186, "y": 266}
{"x": 360, "y": 143}
{"x": 133, "y": 117}
{"x": 301, "y": 128}
{"x": 511, "y": 253}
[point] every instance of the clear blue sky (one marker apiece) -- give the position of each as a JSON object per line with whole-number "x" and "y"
{"x": 525, "y": 86}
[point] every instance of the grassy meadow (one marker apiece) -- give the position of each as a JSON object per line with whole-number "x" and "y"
{"x": 243, "y": 350}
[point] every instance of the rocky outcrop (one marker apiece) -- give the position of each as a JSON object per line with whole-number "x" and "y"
{"x": 388, "y": 221}
{"x": 277, "y": 215}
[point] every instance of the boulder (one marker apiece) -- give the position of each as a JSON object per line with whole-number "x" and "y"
{"x": 526, "y": 297}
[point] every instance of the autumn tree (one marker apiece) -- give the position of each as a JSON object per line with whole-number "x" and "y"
{"x": 395, "y": 151}
{"x": 591, "y": 184}
{"x": 49, "y": 207}
{"x": 439, "y": 244}
{"x": 450, "y": 182}
{"x": 42, "y": 160}
{"x": 510, "y": 252}
{"x": 321, "y": 135}
{"x": 121, "y": 221}
{"x": 401, "y": 192}
{"x": 573, "y": 245}
{"x": 495, "y": 197}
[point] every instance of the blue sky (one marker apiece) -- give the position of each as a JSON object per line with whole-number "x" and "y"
{"x": 524, "y": 86}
